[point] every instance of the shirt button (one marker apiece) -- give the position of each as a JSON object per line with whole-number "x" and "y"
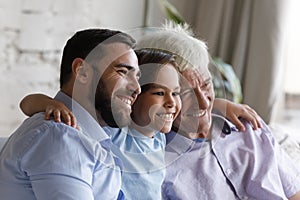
{"x": 228, "y": 172}
{"x": 244, "y": 198}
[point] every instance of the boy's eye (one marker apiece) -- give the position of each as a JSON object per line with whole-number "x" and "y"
{"x": 159, "y": 93}
{"x": 176, "y": 93}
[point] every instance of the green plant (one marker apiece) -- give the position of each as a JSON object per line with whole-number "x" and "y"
{"x": 226, "y": 83}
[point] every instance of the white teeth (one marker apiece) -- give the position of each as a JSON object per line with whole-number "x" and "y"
{"x": 166, "y": 116}
{"x": 127, "y": 101}
{"x": 200, "y": 114}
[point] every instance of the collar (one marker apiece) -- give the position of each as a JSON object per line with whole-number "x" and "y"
{"x": 222, "y": 123}
{"x": 178, "y": 143}
{"x": 181, "y": 144}
{"x": 199, "y": 140}
{"x": 89, "y": 126}
{"x": 221, "y": 128}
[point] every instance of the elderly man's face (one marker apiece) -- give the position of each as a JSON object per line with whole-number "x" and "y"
{"x": 118, "y": 87}
{"x": 197, "y": 102}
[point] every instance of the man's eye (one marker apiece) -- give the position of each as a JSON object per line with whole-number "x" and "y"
{"x": 122, "y": 71}
{"x": 206, "y": 84}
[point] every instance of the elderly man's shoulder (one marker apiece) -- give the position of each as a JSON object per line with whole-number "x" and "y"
{"x": 263, "y": 134}
{"x": 252, "y": 138}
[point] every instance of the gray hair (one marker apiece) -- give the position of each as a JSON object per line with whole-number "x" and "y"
{"x": 179, "y": 40}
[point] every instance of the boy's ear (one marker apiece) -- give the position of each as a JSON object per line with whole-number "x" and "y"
{"x": 81, "y": 70}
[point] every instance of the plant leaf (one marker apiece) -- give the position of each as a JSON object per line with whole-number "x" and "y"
{"x": 231, "y": 82}
{"x": 171, "y": 12}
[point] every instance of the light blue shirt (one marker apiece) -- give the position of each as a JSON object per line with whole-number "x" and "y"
{"x": 143, "y": 162}
{"x": 48, "y": 160}
{"x": 236, "y": 165}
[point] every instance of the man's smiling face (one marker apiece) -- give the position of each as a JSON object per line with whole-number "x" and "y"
{"x": 118, "y": 87}
{"x": 197, "y": 102}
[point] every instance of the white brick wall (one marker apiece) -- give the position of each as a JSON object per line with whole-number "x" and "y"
{"x": 32, "y": 35}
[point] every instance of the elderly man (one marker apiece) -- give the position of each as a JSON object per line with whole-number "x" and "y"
{"x": 48, "y": 160}
{"x": 207, "y": 157}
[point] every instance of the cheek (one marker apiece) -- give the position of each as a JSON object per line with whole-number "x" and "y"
{"x": 186, "y": 103}
{"x": 212, "y": 99}
{"x": 140, "y": 109}
{"x": 178, "y": 105}
{"x": 137, "y": 108}
{"x": 115, "y": 84}
{"x": 212, "y": 94}
{"x": 113, "y": 80}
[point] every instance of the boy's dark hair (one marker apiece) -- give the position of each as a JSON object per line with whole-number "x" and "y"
{"x": 150, "y": 62}
{"x": 83, "y": 42}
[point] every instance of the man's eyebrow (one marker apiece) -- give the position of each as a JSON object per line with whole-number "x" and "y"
{"x": 130, "y": 68}
{"x": 208, "y": 79}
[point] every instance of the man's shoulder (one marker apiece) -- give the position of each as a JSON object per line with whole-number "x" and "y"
{"x": 36, "y": 128}
{"x": 263, "y": 131}
{"x": 262, "y": 137}
{"x": 38, "y": 122}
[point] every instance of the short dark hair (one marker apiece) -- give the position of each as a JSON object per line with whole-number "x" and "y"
{"x": 83, "y": 42}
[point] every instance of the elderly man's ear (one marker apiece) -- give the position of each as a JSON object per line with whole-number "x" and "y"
{"x": 81, "y": 70}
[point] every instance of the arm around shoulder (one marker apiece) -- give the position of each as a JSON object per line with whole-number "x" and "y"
{"x": 234, "y": 111}
{"x": 34, "y": 103}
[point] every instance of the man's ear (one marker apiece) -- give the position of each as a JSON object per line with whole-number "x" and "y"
{"x": 81, "y": 70}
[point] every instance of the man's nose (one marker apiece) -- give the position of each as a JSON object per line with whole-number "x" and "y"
{"x": 134, "y": 85}
{"x": 202, "y": 99}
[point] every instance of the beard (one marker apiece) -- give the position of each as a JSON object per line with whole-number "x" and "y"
{"x": 111, "y": 112}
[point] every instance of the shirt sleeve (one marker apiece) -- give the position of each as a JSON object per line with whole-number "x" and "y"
{"x": 289, "y": 173}
{"x": 58, "y": 164}
{"x": 59, "y": 186}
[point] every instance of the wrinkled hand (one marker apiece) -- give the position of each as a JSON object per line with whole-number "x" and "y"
{"x": 235, "y": 111}
{"x": 61, "y": 113}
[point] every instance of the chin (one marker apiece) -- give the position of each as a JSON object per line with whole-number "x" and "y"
{"x": 166, "y": 129}
{"x": 120, "y": 116}
{"x": 122, "y": 119}
{"x": 163, "y": 127}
